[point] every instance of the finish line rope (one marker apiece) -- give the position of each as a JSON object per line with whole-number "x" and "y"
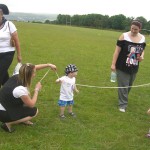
{"x": 109, "y": 87}
{"x": 101, "y": 87}
{"x": 45, "y": 75}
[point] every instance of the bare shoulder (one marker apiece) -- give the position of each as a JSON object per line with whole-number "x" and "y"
{"x": 121, "y": 37}
{"x": 141, "y": 35}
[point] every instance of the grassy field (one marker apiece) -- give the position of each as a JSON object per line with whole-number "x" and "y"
{"x": 99, "y": 125}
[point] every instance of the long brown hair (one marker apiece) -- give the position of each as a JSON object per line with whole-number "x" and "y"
{"x": 25, "y": 74}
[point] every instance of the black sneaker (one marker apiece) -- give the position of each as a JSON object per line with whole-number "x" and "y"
{"x": 4, "y": 127}
{"x": 62, "y": 117}
{"x": 72, "y": 114}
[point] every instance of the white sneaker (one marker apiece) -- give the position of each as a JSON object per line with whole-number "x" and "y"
{"x": 122, "y": 110}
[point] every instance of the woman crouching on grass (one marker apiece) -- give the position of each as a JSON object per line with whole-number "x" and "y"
{"x": 16, "y": 104}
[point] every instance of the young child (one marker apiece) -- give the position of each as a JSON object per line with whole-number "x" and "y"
{"x": 66, "y": 90}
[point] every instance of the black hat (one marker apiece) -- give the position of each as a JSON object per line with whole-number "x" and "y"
{"x": 70, "y": 68}
{"x": 4, "y": 8}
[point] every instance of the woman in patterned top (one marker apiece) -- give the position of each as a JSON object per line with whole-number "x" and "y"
{"x": 128, "y": 53}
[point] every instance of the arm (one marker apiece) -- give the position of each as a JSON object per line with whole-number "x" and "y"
{"x": 148, "y": 112}
{"x": 58, "y": 81}
{"x": 17, "y": 45}
{"x": 115, "y": 55}
{"x": 28, "y": 101}
{"x": 141, "y": 57}
{"x": 42, "y": 66}
{"x": 75, "y": 89}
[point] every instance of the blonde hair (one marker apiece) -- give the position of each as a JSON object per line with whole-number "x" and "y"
{"x": 25, "y": 74}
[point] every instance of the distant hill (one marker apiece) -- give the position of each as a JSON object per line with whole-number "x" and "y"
{"x": 29, "y": 17}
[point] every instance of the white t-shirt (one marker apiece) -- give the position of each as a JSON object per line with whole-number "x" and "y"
{"x": 67, "y": 87}
{"x": 20, "y": 91}
{"x": 5, "y": 36}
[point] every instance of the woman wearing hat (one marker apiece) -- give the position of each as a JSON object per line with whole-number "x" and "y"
{"x": 8, "y": 31}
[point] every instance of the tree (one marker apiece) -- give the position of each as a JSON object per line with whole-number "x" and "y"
{"x": 118, "y": 22}
{"x": 142, "y": 20}
{"x": 47, "y": 21}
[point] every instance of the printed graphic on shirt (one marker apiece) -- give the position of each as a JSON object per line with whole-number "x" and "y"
{"x": 134, "y": 54}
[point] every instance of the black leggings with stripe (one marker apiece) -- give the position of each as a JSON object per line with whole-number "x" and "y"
{"x": 5, "y": 62}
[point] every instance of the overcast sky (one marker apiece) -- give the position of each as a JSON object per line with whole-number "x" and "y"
{"x": 129, "y": 8}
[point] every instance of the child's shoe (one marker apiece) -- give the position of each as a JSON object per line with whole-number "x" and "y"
{"x": 62, "y": 116}
{"x": 72, "y": 114}
{"x": 148, "y": 135}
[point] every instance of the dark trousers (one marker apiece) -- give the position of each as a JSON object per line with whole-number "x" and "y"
{"x": 5, "y": 62}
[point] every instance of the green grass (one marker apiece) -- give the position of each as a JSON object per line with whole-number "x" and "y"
{"x": 99, "y": 125}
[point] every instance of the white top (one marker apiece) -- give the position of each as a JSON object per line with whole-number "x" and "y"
{"x": 5, "y": 36}
{"x": 127, "y": 38}
{"x": 20, "y": 91}
{"x": 2, "y": 108}
{"x": 17, "y": 92}
{"x": 67, "y": 88}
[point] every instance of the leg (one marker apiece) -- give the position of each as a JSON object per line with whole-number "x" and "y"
{"x": 132, "y": 78}
{"x": 70, "y": 108}
{"x": 6, "y": 77}
{"x": 5, "y": 62}
{"x": 123, "y": 81}
{"x": 62, "y": 110}
{"x": 70, "y": 105}
{"x": 25, "y": 118}
{"x": 62, "y": 104}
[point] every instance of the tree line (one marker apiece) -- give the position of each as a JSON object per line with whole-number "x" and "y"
{"x": 116, "y": 22}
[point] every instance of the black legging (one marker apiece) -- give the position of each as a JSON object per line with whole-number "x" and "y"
{"x": 5, "y": 62}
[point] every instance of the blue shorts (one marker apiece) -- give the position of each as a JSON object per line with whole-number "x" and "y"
{"x": 65, "y": 103}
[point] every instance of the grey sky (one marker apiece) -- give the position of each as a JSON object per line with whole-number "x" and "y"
{"x": 130, "y": 8}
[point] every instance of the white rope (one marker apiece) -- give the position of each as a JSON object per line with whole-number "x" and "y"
{"x": 57, "y": 75}
{"x": 107, "y": 87}
{"x": 45, "y": 75}
{"x": 110, "y": 87}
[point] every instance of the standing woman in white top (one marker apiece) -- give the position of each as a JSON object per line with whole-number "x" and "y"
{"x": 128, "y": 53}
{"x": 7, "y": 31}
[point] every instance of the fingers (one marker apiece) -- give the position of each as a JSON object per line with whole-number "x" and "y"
{"x": 148, "y": 112}
{"x": 53, "y": 67}
{"x": 38, "y": 86}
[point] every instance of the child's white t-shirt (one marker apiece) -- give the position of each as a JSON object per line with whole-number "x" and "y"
{"x": 67, "y": 88}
